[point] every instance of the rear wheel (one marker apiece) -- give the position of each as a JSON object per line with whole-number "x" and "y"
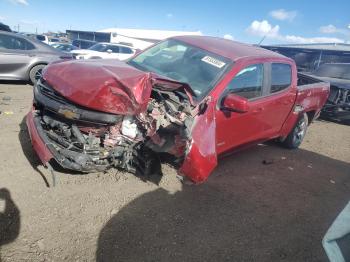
{"x": 36, "y": 73}
{"x": 297, "y": 134}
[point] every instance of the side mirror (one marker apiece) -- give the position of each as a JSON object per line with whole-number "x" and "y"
{"x": 234, "y": 103}
{"x": 109, "y": 51}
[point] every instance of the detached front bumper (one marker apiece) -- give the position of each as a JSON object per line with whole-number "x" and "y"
{"x": 38, "y": 143}
{"x": 45, "y": 148}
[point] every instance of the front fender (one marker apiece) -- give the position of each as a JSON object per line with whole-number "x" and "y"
{"x": 201, "y": 158}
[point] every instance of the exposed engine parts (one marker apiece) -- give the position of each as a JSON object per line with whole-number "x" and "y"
{"x": 131, "y": 143}
{"x": 338, "y": 101}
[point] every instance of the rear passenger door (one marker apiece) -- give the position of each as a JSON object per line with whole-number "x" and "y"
{"x": 281, "y": 95}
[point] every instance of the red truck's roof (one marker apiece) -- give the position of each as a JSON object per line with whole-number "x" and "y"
{"x": 227, "y": 48}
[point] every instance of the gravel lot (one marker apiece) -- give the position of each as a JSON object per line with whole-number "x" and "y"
{"x": 246, "y": 211}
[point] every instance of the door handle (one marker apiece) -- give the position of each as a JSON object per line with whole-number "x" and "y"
{"x": 258, "y": 110}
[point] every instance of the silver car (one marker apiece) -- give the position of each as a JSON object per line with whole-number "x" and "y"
{"x": 23, "y": 58}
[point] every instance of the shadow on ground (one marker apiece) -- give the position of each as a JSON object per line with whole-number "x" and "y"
{"x": 14, "y": 82}
{"x": 9, "y": 219}
{"x": 330, "y": 119}
{"x": 247, "y": 211}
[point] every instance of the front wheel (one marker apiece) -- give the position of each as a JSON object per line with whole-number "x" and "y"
{"x": 36, "y": 73}
{"x": 297, "y": 134}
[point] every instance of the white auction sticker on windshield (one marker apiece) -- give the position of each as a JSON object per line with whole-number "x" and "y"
{"x": 213, "y": 61}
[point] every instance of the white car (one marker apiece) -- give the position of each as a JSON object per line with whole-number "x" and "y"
{"x": 42, "y": 38}
{"x": 105, "y": 50}
{"x": 53, "y": 41}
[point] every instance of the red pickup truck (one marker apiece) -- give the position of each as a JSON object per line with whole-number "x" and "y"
{"x": 186, "y": 100}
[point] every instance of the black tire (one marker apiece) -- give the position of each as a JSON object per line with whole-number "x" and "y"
{"x": 297, "y": 134}
{"x": 35, "y": 73}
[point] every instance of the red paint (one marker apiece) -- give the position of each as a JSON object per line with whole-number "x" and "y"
{"x": 202, "y": 157}
{"x": 39, "y": 146}
{"x": 228, "y": 48}
{"x": 236, "y": 103}
{"x": 104, "y": 85}
{"x": 118, "y": 88}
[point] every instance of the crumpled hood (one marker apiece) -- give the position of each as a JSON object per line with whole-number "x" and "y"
{"x": 104, "y": 85}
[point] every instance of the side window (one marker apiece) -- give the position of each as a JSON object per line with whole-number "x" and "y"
{"x": 27, "y": 45}
{"x": 281, "y": 77}
{"x": 248, "y": 82}
{"x": 15, "y": 43}
{"x": 125, "y": 50}
{"x": 6, "y": 41}
{"x": 115, "y": 49}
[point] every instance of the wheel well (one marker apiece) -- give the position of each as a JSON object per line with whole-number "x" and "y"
{"x": 310, "y": 116}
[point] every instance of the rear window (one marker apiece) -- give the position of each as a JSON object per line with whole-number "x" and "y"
{"x": 281, "y": 77}
{"x": 40, "y": 37}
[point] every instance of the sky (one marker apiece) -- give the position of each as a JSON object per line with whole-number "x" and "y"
{"x": 250, "y": 21}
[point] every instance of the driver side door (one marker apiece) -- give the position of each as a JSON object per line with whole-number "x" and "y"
{"x": 235, "y": 129}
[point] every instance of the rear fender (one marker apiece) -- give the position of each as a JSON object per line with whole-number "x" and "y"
{"x": 291, "y": 121}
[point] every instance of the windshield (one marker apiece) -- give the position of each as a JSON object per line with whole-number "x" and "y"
{"x": 182, "y": 62}
{"x": 341, "y": 71}
{"x": 99, "y": 47}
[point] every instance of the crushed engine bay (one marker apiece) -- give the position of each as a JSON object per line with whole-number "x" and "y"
{"x": 85, "y": 140}
{"x": 338, "y": 101}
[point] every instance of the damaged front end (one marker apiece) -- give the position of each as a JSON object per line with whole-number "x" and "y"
{"x": 338, "y": 103}
{"x": 87, "y": 140}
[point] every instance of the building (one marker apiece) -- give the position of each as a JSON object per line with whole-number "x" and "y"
{"x": 309, "y": 57}
{"x": 137, "y": 38}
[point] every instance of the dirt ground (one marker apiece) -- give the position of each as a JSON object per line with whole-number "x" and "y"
{"x": 246, "y": 211}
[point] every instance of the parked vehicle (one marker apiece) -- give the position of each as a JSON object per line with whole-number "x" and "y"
{"x": 42, "y": 38}
{"x": 23, "y": 58}
{"x": 191, "y": 98}
{"x": 309, "y": 58}
{"x": 337, "y": 106}
{"x": 83, "y": 44}
{"x": 53, "y": 41}
{"x": 64, "y": 47}
{"x": 105, "y": 50}
{"x": 4, "y": 27}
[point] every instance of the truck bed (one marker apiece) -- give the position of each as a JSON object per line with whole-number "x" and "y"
{"x": 312, "y": 93}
